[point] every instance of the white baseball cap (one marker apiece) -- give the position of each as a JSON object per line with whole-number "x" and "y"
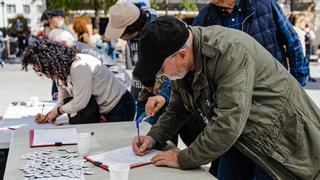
{"x": 121, "y": 15}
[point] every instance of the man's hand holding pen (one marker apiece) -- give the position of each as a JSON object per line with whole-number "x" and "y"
{"x": 143, "y": 146}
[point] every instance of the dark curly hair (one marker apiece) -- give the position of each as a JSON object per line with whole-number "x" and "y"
{"x": 49, "y": 58}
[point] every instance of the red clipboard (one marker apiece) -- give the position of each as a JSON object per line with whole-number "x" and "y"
{"x": 105, "y": 167}
{"x": 45, "y": 145}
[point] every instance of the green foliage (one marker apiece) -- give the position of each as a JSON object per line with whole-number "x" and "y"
{"x": 80, "y": 4}
{"x": 189, "y": 6}
{"x": 155, "y": 5}
{"x": 186, "y": 5}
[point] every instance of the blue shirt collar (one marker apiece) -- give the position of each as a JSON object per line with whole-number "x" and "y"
{"x": 237, "y": 3}
{"x": 236, "y": 6}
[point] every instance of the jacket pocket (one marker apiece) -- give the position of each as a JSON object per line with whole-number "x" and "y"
{"x": 289, "y": 139}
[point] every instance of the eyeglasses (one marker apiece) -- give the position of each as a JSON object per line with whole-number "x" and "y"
{"x": 172, "y": 56}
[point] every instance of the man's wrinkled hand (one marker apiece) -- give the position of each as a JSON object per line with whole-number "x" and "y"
{"x": 144, "y": 147}
{"x": 167, "y": 158}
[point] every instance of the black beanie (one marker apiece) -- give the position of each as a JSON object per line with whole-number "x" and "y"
{"x": 160, "y": 39}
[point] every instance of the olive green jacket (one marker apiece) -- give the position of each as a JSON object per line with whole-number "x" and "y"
{"x": 246, "y": 99}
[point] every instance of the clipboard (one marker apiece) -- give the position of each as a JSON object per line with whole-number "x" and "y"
{"x": 101, "y": 159}
{"x": 66, "y": 137}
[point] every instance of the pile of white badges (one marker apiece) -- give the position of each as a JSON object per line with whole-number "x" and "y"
{"x": 46, "y": 164}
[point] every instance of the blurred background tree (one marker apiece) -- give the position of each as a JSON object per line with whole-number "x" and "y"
{"x": 95, "y": 5}
{"x": 189, "y": 6}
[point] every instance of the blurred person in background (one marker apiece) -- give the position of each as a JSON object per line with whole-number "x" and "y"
{"x": 309, "y": 37}
{"x": 95, "y": 37}
{"x": 264, "y": 21}
{"x": 56, "y": 19}
{"x": 68, "y": 40}
{"x": 81, "y": 29}
{"x": 111, "y": 47}
{"x": 286, "y": 8}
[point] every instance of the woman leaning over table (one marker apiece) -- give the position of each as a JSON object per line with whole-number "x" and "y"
{"x": 88, "y": 91}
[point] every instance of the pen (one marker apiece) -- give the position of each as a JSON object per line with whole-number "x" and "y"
{"x": 138, "y": 128}
{"x": 145, "y": 118}
{"x": 138, "y": 132}
{"x": 60, "y": 124}
{"x": 42, "y": 108}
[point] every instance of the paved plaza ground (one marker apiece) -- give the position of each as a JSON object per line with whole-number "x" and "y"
{"x": 17, "y": 85}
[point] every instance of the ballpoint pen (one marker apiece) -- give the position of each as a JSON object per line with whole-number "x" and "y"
{"x": 42, "y": 108}
{"x": 138, "y": 132}
{"x": 138, "y": 128}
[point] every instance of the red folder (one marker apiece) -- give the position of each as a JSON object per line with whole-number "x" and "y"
{"x": 105, "y": 167}
{"x": 45, "y": 145}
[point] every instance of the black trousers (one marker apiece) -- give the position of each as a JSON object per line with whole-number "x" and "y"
{"x": 3, "y": 161}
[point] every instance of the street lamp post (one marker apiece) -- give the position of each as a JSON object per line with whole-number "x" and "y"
{"x": 5, "y": 40}
{"x": 2, "y": 4}
{"x": 166, "y": 6}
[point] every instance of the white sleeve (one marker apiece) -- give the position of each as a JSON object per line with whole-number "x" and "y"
{"x": 62, "y": 94}
{"x": 81, "y": 79}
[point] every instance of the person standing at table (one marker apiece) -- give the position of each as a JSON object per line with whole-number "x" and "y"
{"x": 126, "y": 21}
{"x": 88, "y": 91}
{"x": 243, "y": 95}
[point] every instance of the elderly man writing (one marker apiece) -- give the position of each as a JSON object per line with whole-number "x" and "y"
{"x": 246, "y": 98}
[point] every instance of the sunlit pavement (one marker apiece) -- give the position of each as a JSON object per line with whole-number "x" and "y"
{"x": 17, "y": 85}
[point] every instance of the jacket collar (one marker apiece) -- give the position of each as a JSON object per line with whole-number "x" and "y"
{"x": 246, "y": 5}
{"x": 199, "y": 81}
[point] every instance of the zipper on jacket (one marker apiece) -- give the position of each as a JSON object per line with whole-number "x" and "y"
{"x": 244, "y": 21}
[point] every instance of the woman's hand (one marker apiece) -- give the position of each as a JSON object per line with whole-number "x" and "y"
{"x": 51, "y": 116}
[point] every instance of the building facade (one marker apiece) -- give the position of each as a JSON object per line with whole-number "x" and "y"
{"x": 29, "y": 9}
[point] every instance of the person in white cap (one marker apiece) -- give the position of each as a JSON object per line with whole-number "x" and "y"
{"x": 126, "y": 21}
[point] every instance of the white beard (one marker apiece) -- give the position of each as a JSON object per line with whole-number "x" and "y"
{"x": 179, "y": 76}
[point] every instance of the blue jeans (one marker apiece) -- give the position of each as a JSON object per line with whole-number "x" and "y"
{"x": 234, "y": 165}
{"x": 54, "y": 89}
{"x": 124, "y": 110}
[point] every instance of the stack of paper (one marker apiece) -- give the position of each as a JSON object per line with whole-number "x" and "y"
{"x": 123, "y": 155}
{"x": 52, "y": 137}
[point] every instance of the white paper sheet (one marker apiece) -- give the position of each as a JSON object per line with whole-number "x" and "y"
{"x": 123, "y": 155}
{"x": 51, "y": 136}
